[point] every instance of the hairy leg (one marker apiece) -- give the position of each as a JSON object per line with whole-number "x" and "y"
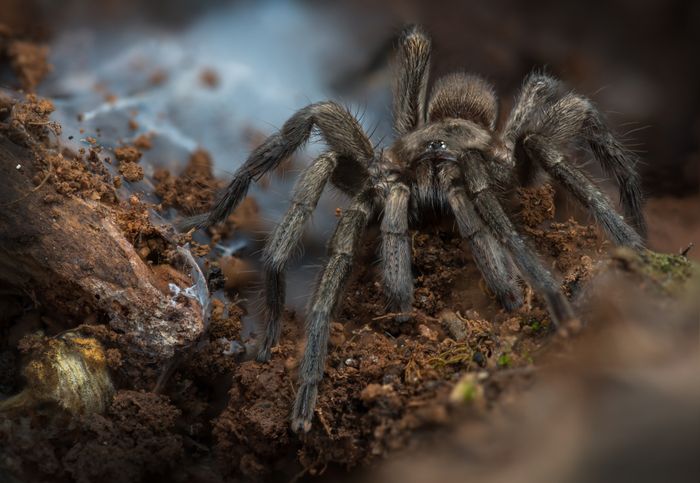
{"x": 544, "y": 107}
{"x": 339, "y": 129}
{"x": 583, "y": 189}
{"x": 285, "y": 239}
{"x": 538, "y": 92}
{"x": 619, "y": 163}
{"x": 411, "y": 80}
{"x": 489, "y": 209}
{"x": 396, "y": 251}
{"x": 331, "y": 284}
{"x": 493, "y": 262}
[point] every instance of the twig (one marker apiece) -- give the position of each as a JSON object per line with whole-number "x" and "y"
{"x": 33, "y": 190}
{"x": 684, "y": 253}
{"x": 393, "y": 314}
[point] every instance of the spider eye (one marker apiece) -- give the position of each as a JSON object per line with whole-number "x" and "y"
{"x": 437, "y": 145}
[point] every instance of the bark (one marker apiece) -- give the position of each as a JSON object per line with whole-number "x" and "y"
{"x": 72, "y": 257}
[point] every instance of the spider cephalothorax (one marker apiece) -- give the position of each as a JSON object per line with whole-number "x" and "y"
{"x": 447, "y": 155}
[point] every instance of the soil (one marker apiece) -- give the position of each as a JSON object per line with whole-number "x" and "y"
{"x": 385, "y": 382}
{"x": 28, "y": 58}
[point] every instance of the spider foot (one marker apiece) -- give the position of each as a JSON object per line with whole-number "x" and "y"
{"x": 570, "y": 328}
{"x": 265, "y": 349}
{"x": 263, "y": 355}
{"x": 303, "y": 411}
{"x": 563, "y": 316}
{"x": 511, "y": 300}
{"x": 403, "y": 317}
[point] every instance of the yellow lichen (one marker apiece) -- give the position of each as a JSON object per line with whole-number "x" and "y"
{"x": 69, "y": 371}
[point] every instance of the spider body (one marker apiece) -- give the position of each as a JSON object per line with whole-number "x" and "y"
{"x": 447, "y": 158}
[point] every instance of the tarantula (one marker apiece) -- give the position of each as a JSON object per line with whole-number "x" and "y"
{"x": 447, "y": 156}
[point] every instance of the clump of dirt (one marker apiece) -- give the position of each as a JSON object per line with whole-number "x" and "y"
{"x": 193, "y": 190}
{"x": 81, "y": 174}
{"x": 132, "y": 172}
{"x": 150, "y": 241}
{"x": 565, "y": 243}
{"x": 209, "y": 78}
{"x": 143, "y": 142}
{"x": 128, "y": 157}
{"x": 28, "y": 59}
{"x": 216, "y": 356}
{"x": 132, "y": 441}
{"x": 26, "y": 120}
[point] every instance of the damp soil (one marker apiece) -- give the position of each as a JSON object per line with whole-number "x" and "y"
{"x": 219, "y": 417}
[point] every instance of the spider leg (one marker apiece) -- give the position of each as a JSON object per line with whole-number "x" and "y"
{"x": 538, "y": 91}
{"x": 411, "y": 82}
{"x": 493, "y": 262}
{"x": 336, "y": 272}
{"x": 583, "y": 189}
{"x": 544, "y": 107}
{"x": 285, "y": 238}
{"x": 396, "y": 251}
{"x": 339, "y": 129}
{"x": 489, "y": 209}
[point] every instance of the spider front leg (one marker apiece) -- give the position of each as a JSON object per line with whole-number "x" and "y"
{"x": 584, "y": 190}
{"x": 493, "y": 262}
{"x": 544, "y": 108}
{"x": 285, "y": 238}
{"x": 396, "y": 252}
{"x": 411, "y": 80}
{"x": 338, "y": 128}
{"x": 342, "y": 249}
{"x": 489, "y": 209}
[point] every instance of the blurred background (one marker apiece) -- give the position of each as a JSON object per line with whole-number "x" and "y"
{"x": 263, "y": 60}
{"x": 637, "y": 59}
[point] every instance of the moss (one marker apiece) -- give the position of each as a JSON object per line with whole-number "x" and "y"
{"x": 535, "y": 325}
{"x": 675, "y": 268}
{"x": 69, "y": 371}
{"x": 504, "y": 360}
{"x": 456, "y": 354}
{"x": 469, "y": 391}
{"x": 670, "y": 272}
{"x": 465, "y": 391}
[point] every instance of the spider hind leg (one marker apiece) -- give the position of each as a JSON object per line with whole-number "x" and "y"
{"x": 326, "y": 297}
{"x": 281, "y": 245}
